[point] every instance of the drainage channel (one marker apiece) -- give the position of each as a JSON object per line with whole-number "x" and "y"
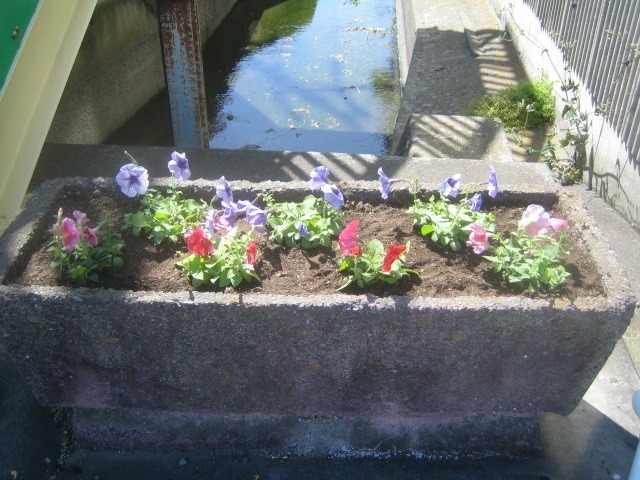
{"x": 300, "y": 75}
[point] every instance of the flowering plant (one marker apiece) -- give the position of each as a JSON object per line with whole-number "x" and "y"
{"x": 449, "y": 224}
{"x": 370, "y": 263}
{"x": 312, "y": 222}
{"x": 82, "y": 250}
{"x": 531, "y": 257}
{"x": 161, "y": 216}
{"x": 222, "y": 260}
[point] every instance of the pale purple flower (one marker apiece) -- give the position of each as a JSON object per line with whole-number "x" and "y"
{"x": 81, "y": 218}
{"x": 133, "y": 179}
{"x": 475, "y": 202}
{"x": 493, "y": 182}
{"x": 228, "y": 218}
{"x": 385, "y": 183}
{"x": 319, "y": 176}
{"x": 333, "y": 195}
{"x": 254, "y": 215}
{"x": 535, "y": 221}
{"x": 451, "y": 186}
{"x": 303, "y": 231}
{"x": 224, "y": 192}
{"x": 214, "y": 223}
{"x": 179, "y": 166}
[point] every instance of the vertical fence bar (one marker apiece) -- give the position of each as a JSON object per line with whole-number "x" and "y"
{"x": 182, "y": 52}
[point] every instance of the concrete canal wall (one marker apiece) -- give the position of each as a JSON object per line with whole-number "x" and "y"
{"x": 119, "y": 68}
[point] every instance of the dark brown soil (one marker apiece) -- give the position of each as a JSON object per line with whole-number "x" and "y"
{"x": 298, "y": 272}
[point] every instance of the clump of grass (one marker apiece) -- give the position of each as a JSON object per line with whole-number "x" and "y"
{"x": 530, "y": 104}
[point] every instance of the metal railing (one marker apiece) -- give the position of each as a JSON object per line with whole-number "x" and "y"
{"x": 601, "y": 41}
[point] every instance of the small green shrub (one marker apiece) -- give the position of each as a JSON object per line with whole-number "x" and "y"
{"x": 526, "y": 105}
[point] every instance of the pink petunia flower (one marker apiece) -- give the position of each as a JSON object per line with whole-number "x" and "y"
{"x": 391, "y": 255}
{"x": 70, "y": 233}
{"x": 479, "y": 238}
{"x": 199, "y": 242}
{"x": 348, "y": 238}
{"x": 558, "y": 223}
{"x": 90, "y": 235}
{"x": 535, "y": 221}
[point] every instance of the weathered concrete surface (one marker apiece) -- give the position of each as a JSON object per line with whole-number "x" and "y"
{"x": 489, "y": 366}
{"x": 119, "y": 68}
{"x": 454, "y": 136}
{"x": 439, "y": 73}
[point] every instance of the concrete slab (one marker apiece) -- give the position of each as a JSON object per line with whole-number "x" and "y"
{"x": 454, "y": 136}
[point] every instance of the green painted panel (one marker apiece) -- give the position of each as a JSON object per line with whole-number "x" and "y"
{"x": 13, "y": 13}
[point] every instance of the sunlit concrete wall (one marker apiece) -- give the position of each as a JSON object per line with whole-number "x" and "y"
{"x": 613, "y": 169}
{"x": 119, "y": 68}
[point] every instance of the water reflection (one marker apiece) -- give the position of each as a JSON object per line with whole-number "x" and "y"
{"x": 311, "y": 76}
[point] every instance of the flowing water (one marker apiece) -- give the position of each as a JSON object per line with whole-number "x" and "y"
{"x": 302, "y": 75}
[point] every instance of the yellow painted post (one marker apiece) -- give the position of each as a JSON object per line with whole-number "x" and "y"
{"x": 32, "y": 91}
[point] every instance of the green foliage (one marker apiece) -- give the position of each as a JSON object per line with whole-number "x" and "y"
{"x": 86, "y": 260}
{"x": 366, "y": 269}
{"x": 447, "y": 224}
{"x": 228, "y": 265}
{"x": 165, "y": 217}
{"x": 526, "y": 105}
{"x": 530, "y": 262}
{"x": 321, "y": 220}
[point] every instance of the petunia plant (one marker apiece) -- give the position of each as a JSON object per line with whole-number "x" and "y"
{"x": 84, "y": 251}
{"x": 221, "y": 260}
{"x": 450, "y": 224}
{"x": 312, "y": 222}
{"x": 531, "y": 257}
{"x": 161, "y": 217}
{"x": 370, "y": 263}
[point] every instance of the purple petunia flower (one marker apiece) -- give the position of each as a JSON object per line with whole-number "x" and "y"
{"x": 333, "y": 195}
{"x": 303, "y": 231}
{"x": 133, "y": 179}
{"x": 385, "y": 183}
{"x": 475, "y": 202}
{"x": 451, "y": 186}
{"x": 224, "y": 192}
{"x": 254, "y": 215}
{"x": 493, "y": 183}
{"x": 179, "y": 166}
{"x": 228, "y": 218}
{"x": 319, "y": 176}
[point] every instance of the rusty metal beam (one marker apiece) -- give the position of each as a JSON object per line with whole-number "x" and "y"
{"x": 182, "y": 53}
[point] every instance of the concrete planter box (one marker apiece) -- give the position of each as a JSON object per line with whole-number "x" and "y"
{"x": 320, "y": 374}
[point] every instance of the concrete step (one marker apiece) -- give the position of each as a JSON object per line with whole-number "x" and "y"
{"x": 454, "y": 136}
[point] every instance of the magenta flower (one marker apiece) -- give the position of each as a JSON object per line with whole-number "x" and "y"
{"x": 179, "y": 166}
{"x": 70, "y": 233}
{"x": 450, "y": 186}
{"x": 133, "y": 179}
{"x": 90, "y": 235}
{"x": 81, "y": 218}
{"x": 493, "y": 183}
{"x": 319, "y": 176}
{"x": 385, "y": 183}
{"x": 333, "y": 195}
{"x": 475, "y": 202}
{"x": 535, "y": 221}
{"x": 348, "y": 238}
{"x": 478, "y": 239}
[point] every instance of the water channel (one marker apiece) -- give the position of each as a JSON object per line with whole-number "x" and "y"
{"x": 302, "y": 75}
